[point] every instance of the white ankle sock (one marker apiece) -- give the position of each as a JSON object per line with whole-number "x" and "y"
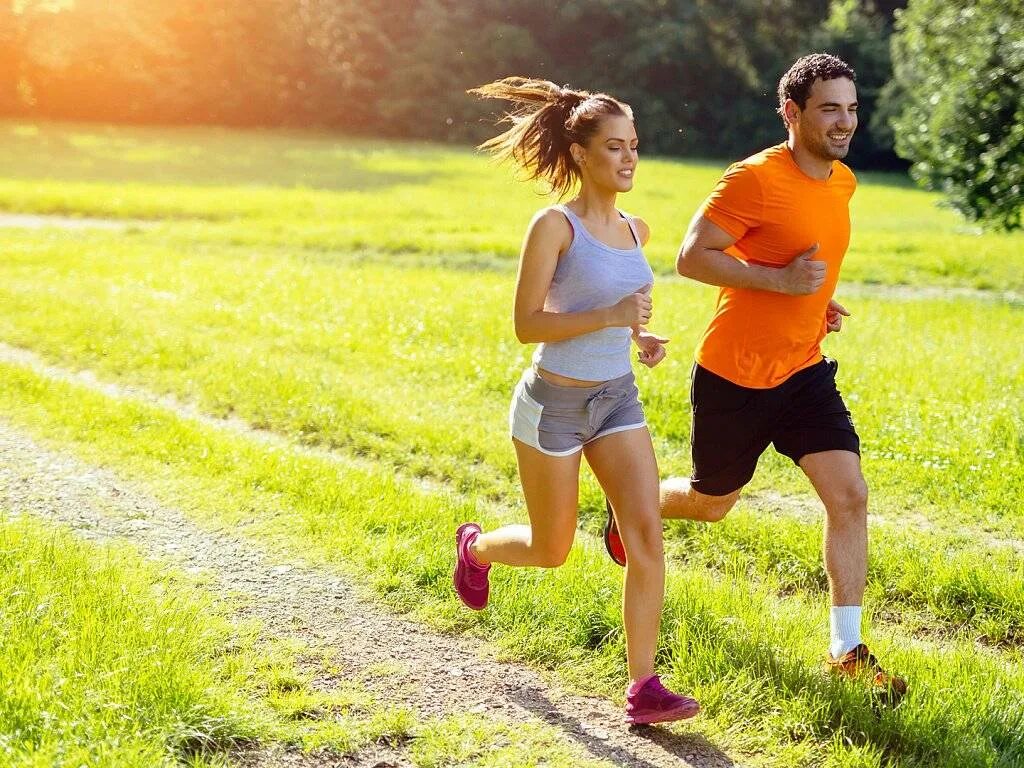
{"x": 844, "y": 622}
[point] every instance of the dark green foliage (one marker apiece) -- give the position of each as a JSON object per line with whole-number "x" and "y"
{"x": 861, "y": 37}
{"x": 700, "y": 74}
{"x": 959, "y": 76}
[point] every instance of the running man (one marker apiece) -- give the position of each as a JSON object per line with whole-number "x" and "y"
{"x": 772, "y": 235}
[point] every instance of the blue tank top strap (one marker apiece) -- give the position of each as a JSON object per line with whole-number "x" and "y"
{"x": 577, "y": 224}
{"x": 632, "y": 228}
{"x": 574, "y": 222}
{"x": 567, "y": 212}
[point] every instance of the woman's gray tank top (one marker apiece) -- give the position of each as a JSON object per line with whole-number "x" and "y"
{"x": 590, "y": 275}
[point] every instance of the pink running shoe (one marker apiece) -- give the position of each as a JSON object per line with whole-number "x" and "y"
{"x": 612, "y": 538}
{"x": 471, "y": 583}
{"x": 648, "y": 701}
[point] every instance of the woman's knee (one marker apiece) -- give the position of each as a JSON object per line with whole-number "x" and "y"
{"x": 550, "y": 554}
{"x": 644, "y": 541}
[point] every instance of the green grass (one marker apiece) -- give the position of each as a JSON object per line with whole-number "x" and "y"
{"x": 329, "y": 194}
{"x": 746, "y": 653}
{"x": 478, "y": 740}
{"x": 108, "y": 661}
{"x": 356, "y": 296}
{"x": 289, "y": 345}
{"x": 324, "y": 350}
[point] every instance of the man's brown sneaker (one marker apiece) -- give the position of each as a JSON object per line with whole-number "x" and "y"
{"x": 861, "y": 664}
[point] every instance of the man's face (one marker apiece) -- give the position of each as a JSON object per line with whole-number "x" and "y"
{"x": 826, "y": 124}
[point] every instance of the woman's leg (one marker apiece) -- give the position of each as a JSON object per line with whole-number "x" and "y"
{"x": 627, "y": 470}
{"x": 551, "y": 488}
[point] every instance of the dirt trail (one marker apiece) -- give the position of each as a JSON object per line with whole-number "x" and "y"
{"x": 52, "y": 221}
{"x": 440, "y": 674}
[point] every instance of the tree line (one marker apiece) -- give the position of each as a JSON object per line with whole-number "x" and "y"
{"x": 700, "y": 74}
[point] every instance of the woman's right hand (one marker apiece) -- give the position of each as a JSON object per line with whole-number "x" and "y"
{"x": 634, "y": 309}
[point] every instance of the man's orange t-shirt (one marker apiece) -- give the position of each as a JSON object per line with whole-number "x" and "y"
{"x": 775, "y": 211}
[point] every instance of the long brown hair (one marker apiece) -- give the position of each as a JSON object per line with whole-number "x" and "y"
{"x": 546, "y": 120}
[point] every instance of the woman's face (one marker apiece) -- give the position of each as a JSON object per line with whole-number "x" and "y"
{"x": 610, "y": 156}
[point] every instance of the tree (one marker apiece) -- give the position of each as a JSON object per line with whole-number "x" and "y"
{"x": 446, "y": 47}
{"x": 857, "y": 33}
{"x": 959, "y": 73}
{"x": 90, "y": 59}
{"x": 10, "y": 59}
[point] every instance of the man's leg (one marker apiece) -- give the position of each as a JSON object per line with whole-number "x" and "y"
{"x": 837, "y": 478}
{"x": 680, "y": 500}
{"x": 727, "y": 436}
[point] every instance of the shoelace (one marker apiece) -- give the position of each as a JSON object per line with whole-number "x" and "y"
{"x": 865, "y": 660}
{"x": 664, "y": 694}
{"x": 655, "y": 690}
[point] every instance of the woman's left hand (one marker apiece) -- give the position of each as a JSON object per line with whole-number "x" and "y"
{"x": 651, "y": 346}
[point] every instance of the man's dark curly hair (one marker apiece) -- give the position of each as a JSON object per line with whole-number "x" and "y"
{"x": 796, "y": 83}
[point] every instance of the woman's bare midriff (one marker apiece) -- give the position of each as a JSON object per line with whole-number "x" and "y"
{"x": 565, "y": 381}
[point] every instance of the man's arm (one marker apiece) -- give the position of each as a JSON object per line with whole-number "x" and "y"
{"x": 702, "y": 257}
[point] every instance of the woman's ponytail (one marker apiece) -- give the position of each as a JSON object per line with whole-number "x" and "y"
{"x": 546, "y": 120}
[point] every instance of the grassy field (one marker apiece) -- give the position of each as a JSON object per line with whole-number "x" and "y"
{"x": 108, "y": 661}
{"x": 356, "y": 296}
{"x": 426, "y": 203}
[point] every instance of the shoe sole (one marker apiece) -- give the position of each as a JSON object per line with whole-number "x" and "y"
{"x": 607, "y": 529}
{"x": 681, "y": 713}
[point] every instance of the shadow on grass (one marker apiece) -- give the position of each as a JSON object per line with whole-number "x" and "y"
{"x": 213, "y": 157}
{"x": 919, "y": 730}
{"x": 689, "y": 748}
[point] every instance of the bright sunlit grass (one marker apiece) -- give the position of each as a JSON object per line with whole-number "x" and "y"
{"x": 328, "y": 193}
{"x": 751, "y": 656}
{"x": 356, "y": 296}
{"x": 107, "y": 661}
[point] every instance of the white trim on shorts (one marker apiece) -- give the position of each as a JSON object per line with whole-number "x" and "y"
{"x": 535, "y": 444}
{"x": 613, "y": 430}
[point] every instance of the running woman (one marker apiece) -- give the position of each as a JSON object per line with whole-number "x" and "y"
{"x": 582, "y": 291}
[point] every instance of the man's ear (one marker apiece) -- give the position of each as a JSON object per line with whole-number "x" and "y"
{"x": 791, "y": 111}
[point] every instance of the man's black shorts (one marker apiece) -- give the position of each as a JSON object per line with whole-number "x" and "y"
{"x": 733, "y": 425}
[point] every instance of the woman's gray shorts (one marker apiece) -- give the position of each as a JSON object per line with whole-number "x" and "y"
{"x": 559, "y": 420}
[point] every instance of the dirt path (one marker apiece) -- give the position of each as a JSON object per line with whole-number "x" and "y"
{"x": 52, "y": 221}
{"x": 928, "y": 293}
{"x": 440, "y": 674}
